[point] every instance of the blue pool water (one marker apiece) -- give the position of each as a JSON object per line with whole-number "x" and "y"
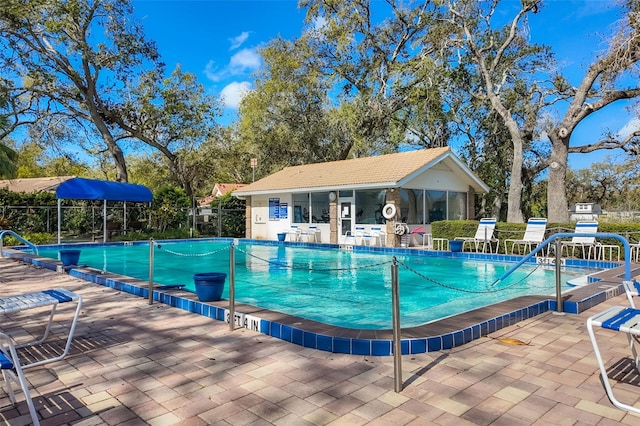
{"x": 342, "y": 288}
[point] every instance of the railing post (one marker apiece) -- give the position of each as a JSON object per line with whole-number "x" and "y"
{"x": 397, "y": 343}
{"x": 232, "y": 288}
{"x": 1, "y": 245}
{"x": 151, "y": 260}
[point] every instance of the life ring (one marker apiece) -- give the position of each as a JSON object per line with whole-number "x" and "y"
{"x": 401, "y": 229}
{"x": 389, "y": 211}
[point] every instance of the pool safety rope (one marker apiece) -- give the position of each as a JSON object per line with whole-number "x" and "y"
{"x": 372, "y": 265}
{"x": 495, "y": 290}
{"x": 192, "y": 254}
{"x": 286, "y": 265}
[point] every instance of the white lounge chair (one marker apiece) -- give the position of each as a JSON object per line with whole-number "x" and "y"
{"x": 533, "y": 236}
{"x": 12, "y": 373}
{"x": 620, "y": 319}
{"x": 586, "y": 244}
{"x": 632, "y": 289}
{"x": 484, "y": 236}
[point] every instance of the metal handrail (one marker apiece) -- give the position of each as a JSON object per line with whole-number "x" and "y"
{"x": 548, "y": 241}
{"x": 19, "y": 238}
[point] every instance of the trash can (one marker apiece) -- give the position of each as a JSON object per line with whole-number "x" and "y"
{"x": 282, "y": 236}
{"x": 209, "y": 285}
{"x": 70, "y": 257}
{"x": 455, "y": 245}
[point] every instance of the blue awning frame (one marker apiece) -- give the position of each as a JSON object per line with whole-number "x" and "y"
{"x": 94, "y": 189}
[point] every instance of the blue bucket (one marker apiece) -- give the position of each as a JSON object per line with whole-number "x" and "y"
{"x": 209, "y": 285}
{"x": 69, "y": 257}
{"x": 455, "y": 245}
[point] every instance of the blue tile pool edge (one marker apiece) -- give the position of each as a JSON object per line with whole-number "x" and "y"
{"x": 312, "y": 340}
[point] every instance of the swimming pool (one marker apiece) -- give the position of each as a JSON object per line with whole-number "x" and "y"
{"x": 349, "y": 289}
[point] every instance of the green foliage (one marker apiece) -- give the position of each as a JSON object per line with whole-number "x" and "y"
{"x": 167, "y": 208}
{"x": 36, "y": 238}
{"x": 233, "y": 216}
{"x": 26, "y": 217}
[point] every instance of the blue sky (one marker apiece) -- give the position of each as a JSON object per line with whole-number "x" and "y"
{"x": 217, "y": 40}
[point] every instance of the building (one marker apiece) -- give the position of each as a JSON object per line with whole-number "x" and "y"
{"x": 219, "y": 189}
{"x": 334, "y": 200}
{"x": 585, "y": 212}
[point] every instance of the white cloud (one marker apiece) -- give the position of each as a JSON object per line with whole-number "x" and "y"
{"x": 246, "y": 60}
{"x": 238, "y": 40}
{"x": 233, "y": 93}
{"x": 212, "y": 72}
{"x": 631, "y": 126}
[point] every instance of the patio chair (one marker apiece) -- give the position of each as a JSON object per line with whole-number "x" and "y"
{"x": 309, "y": 235}
{"x": 12, "y": 373}
{"x": 378, "y": 236}
{"x": 533, "y": 236}
{"x": 484, "y": 236}
{"x": 620, "y": 319}
{"x": 294, "y": 233}
{"x": 361, "y": 236}
{"x": 587, "y": 245}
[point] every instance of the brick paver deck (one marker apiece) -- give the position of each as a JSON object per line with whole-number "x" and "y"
{"x": 135, "y": 364}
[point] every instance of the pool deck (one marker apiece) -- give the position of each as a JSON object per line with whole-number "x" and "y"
{"x": 133, "y": 364}
{"x": 439, "y": 335}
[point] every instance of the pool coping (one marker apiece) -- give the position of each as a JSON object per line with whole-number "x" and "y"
{"x": 438, "y": 335}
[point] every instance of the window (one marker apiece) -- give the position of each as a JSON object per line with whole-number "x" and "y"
{"x": 436, "y": 205}
{"x": 319, "y": 207}
{"x": 412, "y": 206}
{"x": 457, "y": 206}
{"x": 311, "y": 208}
{"x": 369, "y": 206}
{"x": 301, "y": 208}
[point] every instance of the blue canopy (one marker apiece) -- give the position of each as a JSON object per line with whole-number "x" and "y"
{"x": 93, "y": 189}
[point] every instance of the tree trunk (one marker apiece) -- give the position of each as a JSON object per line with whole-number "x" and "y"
{"x": 557, "y": 205}
{"x": 114, "y": 148}
{"x": 514, "y": 203}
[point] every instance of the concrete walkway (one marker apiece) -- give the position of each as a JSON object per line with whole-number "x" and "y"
{"x": 136, "y": 364}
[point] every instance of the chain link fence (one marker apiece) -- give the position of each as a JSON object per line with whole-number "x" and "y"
{"x": 86, "y": 223}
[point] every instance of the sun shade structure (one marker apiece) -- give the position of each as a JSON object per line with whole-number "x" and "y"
{"x": 93, "y": 189}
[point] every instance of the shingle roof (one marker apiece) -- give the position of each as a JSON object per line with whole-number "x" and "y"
{"x": 386, "y": 170}
{"x": 34, "y": 184}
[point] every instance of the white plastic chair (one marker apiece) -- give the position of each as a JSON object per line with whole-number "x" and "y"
{"x": 294, "y": 233}
{"x": 313, "y": 234}
{"x": 12, "y": 373}
{"x": 378, "y": 236}
{"x": 484, "y": 236}
{"x": 533, "y": 236}
{"x": 359, "y": 235}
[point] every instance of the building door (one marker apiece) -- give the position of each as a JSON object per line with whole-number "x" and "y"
{"x": 346, "y": 216}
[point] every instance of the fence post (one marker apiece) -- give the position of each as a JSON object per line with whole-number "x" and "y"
{"x": 397, "y": 343}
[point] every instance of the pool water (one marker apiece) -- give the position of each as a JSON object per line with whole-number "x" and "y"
{"x": 343, "y": 288}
